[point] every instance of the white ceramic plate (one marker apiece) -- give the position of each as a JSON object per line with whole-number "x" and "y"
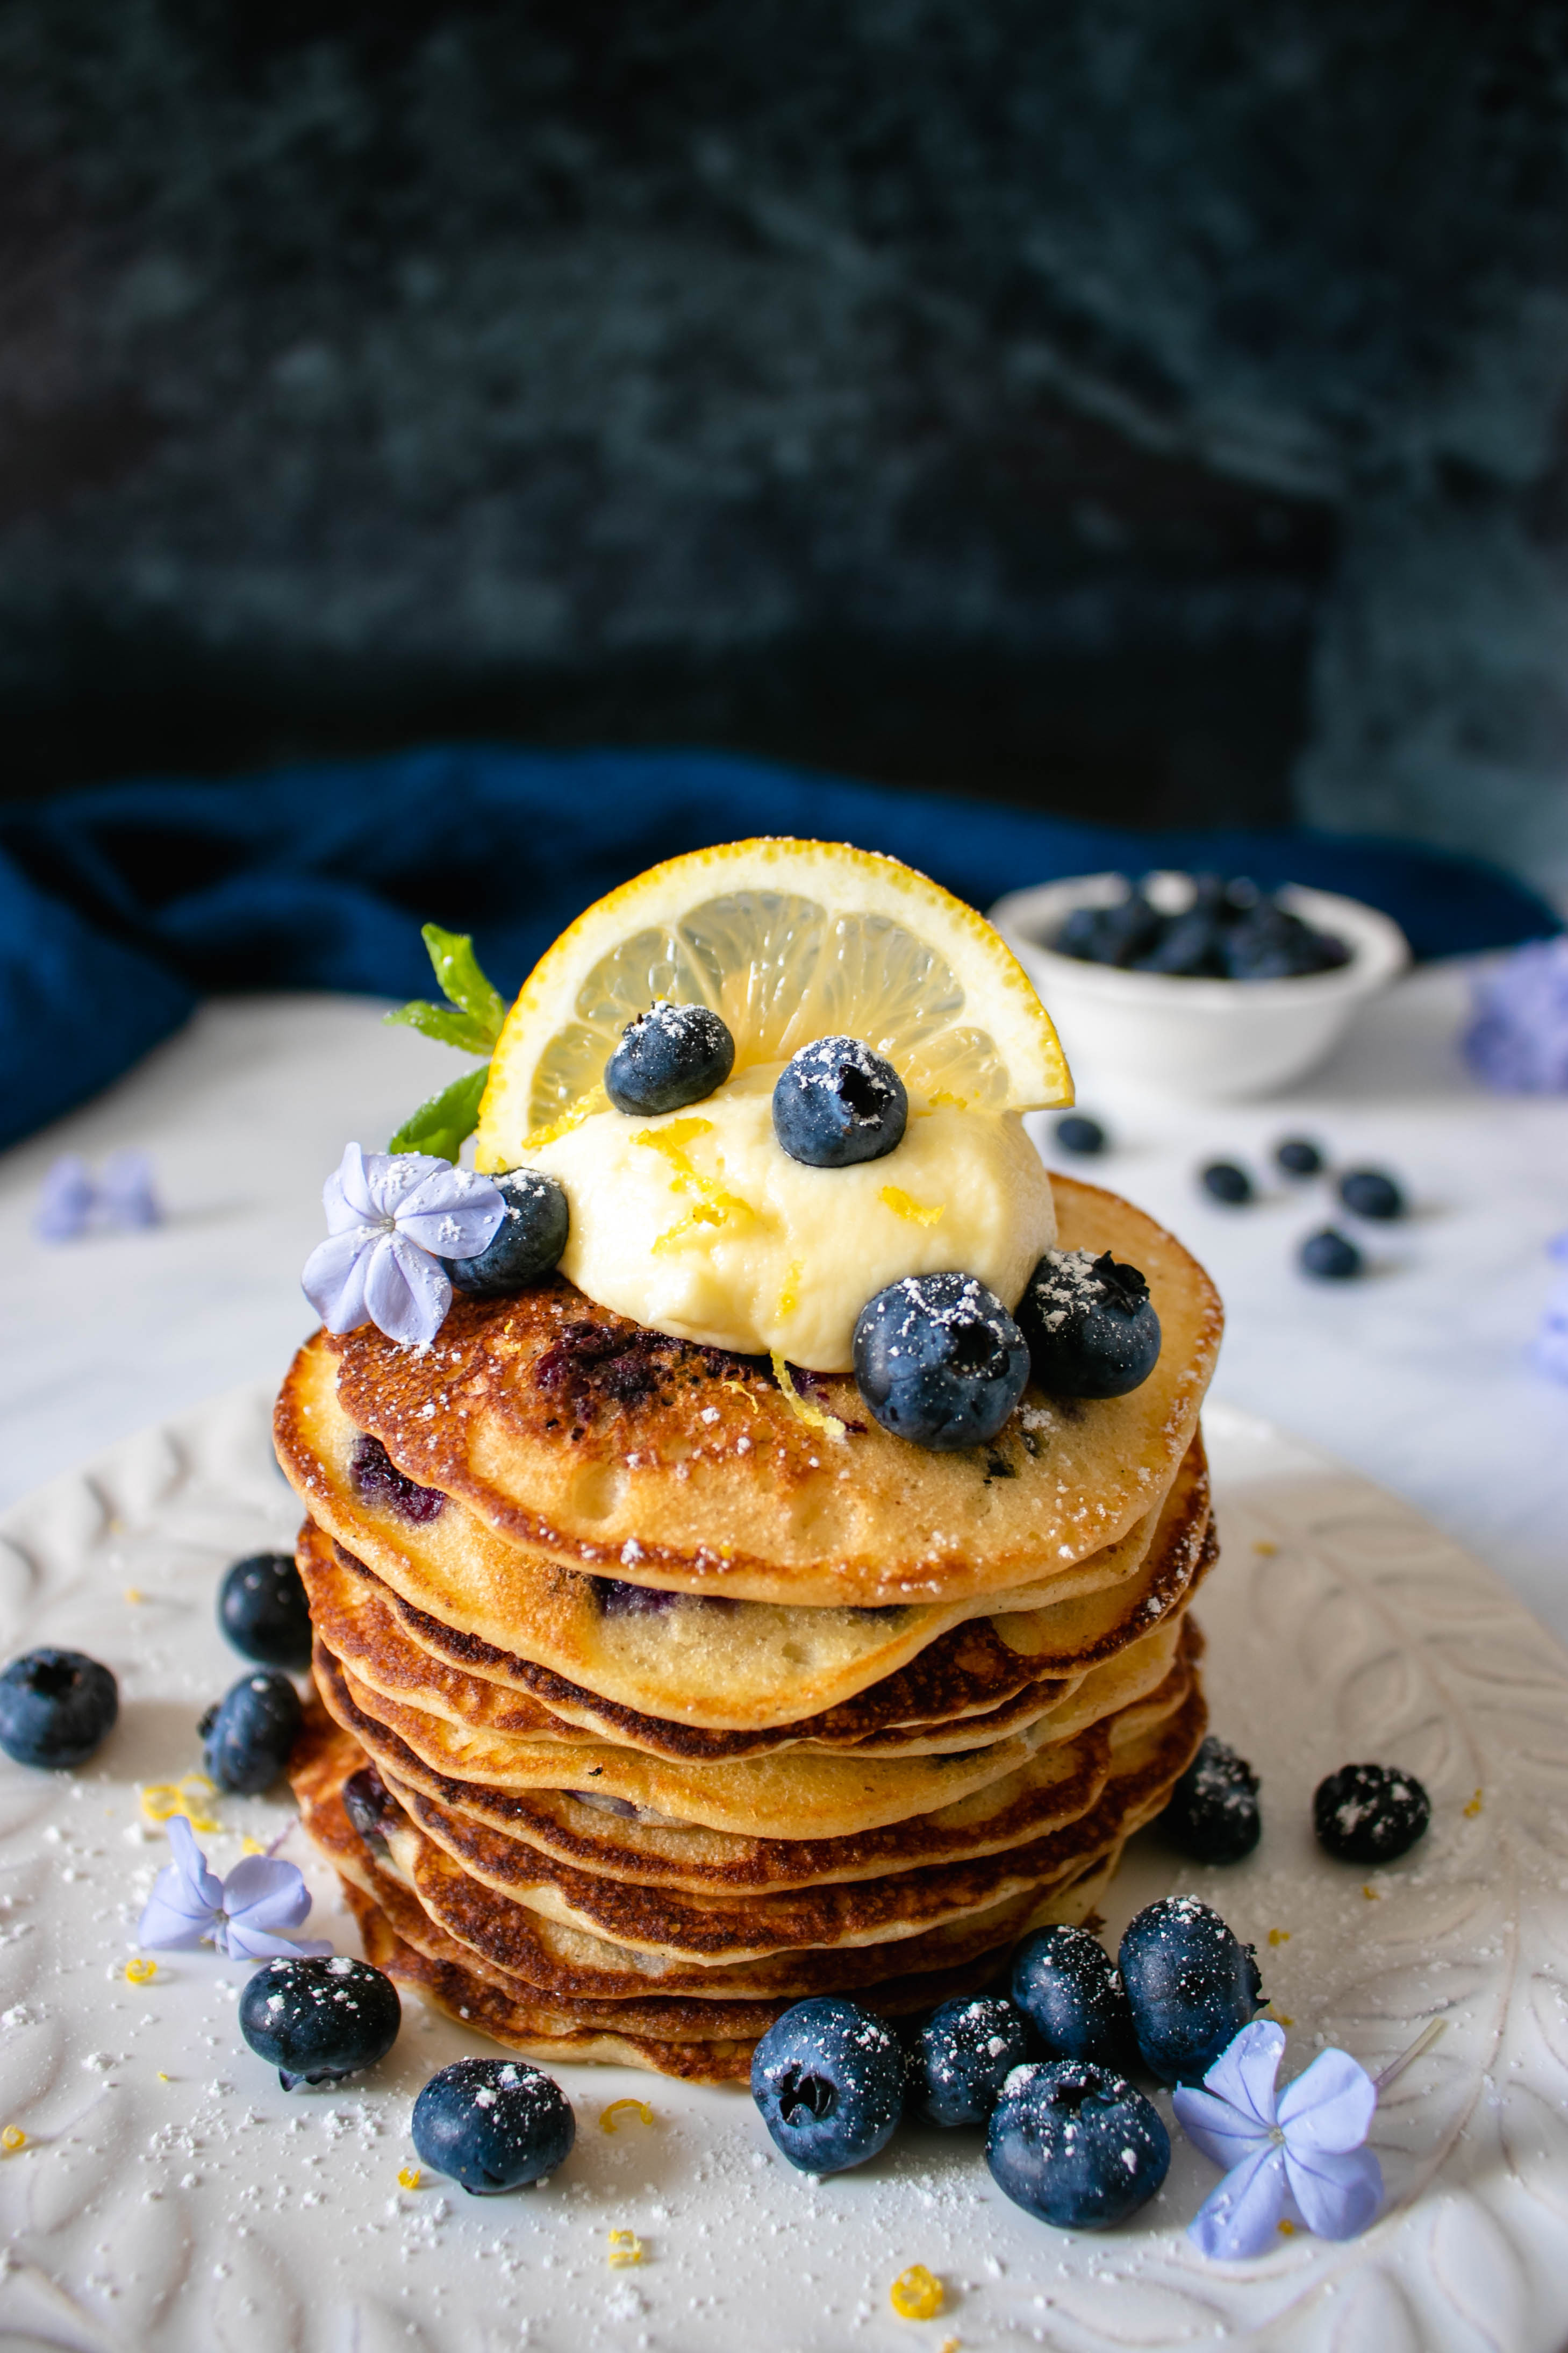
{"x": 171, "y": 2199}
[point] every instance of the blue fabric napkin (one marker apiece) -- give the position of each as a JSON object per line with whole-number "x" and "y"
{"x": 121, "y": 905}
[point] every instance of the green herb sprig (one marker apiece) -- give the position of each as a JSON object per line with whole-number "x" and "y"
{"x": 471, "y": 1020}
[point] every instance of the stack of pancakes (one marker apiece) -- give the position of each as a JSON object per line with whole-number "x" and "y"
{"x": 652, "y": 1699}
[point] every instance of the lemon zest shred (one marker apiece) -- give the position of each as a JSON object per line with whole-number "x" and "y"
{"x": 12, "y": 2139}
{"x": 1473, "y": 1809}
{"x": 162, "y": 1800}
{"x": 163, "y": 2078}
{"x": 1281, "y": 2018}
{"x": 789, "y": 1298}
{"x": 617, "y": 2108}
{"x": 944, "y": 1100}
{"x": 803, "y": 1409}
{"x": 1264, "y": 1549}
{"x": 1288, "y": 2229}
{"x": 949, "y": 2345}
{"x": 917, "y": 2294}
{"x": 729, "y": 1382}
{"x": 410, "y": 2177}
{"x": 573, "y": 1117}
{"x": 714, "y": 1205}
{"x": 1371, "y": 1894}
{"x": 1280, "y": 1936}
{"x": 141, "y": 1971}
{"x": 133, "y": 1593}
{"x": 248, "y": 1845}
{"x": 625, "y": 2247}
{"x": 904, "y": 1205}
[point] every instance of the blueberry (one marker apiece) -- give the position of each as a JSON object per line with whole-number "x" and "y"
{"x": 1213, "y": 1812}
{"x": 247, "y": 1737}
{"x": 940, "y": 1361}
{"x": 317, "y": 2020}
{"x": 1192, "y": 1985}
{"x": 376, "y": 1479}
{"x": 961, "y": 2056}
{"x": 1370, "y": 1814}
{"x": 1067, "y": 1986}
{"x": 1331, "y": 1256}
{"x": 528, "y": 1242}
{"x": 1226, "y": 1182}
{"x": 1190, "y": 948}
{"x": 671, "y": 1056}
{"x": 493, "y": 2125}
{"x": 1090, "y": 1325}
{"x": 836, "y": 1103}
{"x": 56, "y": 1707}
{"x": 1079, "y": 1135}
{"x": 828, "y": 2077}
{"x": 1298, "y": 1156}
{"x": 262, "y": 1609}
{"x": 1370, "y": 1194}
{"x": 1075, "y": 2145}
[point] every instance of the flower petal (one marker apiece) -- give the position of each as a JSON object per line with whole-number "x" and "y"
{"x": 239, "y": 1941}
{"x": 1331, "y": 2105}
{"x": 406, "y": 1291}
{"x": 186, "y": 1900}
{"x": 346, "y": 1196}
{"x": 333, "y": 1280}
{"x": 1338, "y": 2192}
{"x": 266, "y": 1894}
{"x": 1220, "y": 2129}
{"x": 453, "y": 1214}
{"x": 392, "y": 1176}
{"x": 1241, "y": 2216}
{"x": 1245, "y": 2070}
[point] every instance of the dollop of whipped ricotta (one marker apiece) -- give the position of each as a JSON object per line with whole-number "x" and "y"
{"x": 699, "y": 1223}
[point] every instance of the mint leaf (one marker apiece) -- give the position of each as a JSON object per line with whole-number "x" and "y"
{"x": 446, "y": 1022}
{"x": 441, "y": 1124}
{"x": 462, "y": 982}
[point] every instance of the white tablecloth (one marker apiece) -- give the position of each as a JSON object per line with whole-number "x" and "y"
{"x": 1418, "y": 1373}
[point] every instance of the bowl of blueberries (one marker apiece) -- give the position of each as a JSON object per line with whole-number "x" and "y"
{"x": 1199, "y": 984}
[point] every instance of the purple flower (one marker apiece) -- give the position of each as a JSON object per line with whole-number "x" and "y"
{"x": 1297, "y": 2156}
{"x": 125, "y": 1192}
{"x": 392, "y": 1218}
{"x": 241, "y": 1914}
{"x": 65, "y": 1200}
{"x": 1517, "y": 1038}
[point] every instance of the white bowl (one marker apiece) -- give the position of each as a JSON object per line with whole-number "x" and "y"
{"x": 1215, "y": 1041}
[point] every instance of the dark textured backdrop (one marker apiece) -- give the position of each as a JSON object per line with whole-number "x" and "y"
{"x": 1129, "y": 406}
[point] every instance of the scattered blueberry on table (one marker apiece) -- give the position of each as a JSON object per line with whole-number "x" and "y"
{"x": 56, "y": 1707}
{"x": 1213, "y": 1813}
{"x": 837, "y": 1103}
{"x": 319, "y": 2019}
{"x": 1090, "y": 1325}
{"x": 1371, "y": 1193}
{"x": 1078, "y": 1134}
{"x": 1370, "y": 1814}
{"x": 493, "y": 2125}
{"x": 1224, "y": 1181}
{"x": 938, "y": 1360}
{"x": 1297, "y": 1156}
{"x": 1191, "y": 1983}
{"x": 262, "y": 1610}
{"x": 1329, "y": 1256}
{"x": 961, "y": 2056}
{"x": 671, "y": 1056}
{"x": 1076, "y": 2143}
{"x": 829, "y": 2079}
{"x": 526, "y": 1245}
{"x": 1068, "y": 1988}
{"x": 247, "y": 1735}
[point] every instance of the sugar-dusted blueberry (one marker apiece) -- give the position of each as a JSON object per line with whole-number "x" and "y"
{"x": 940, "y": 1361}
{"x": 493, "y": 2125}
{"x": 961, "y": 2056}
{"x": 1068, "y": 1988}
{"x": 262, "y": 1610}
{"x": 828, "y": 2077}
{"x": 528, "y": 1242}
{"x": 56, "y": 1707}
{"x": 1079, "y": 1135}
{"x": 1329, "y": 1256}
{"x": 836, "y": 1103}
{"x": 1191, "y": 1983}
{"x": 1370, "y": 1193}
{"x": 671, "y": 1056}
{"x": 1370, "y": 1814}
{"x": 1224, "y": 1181}
{"x": 247, "y": 1736}
{"x": 317, "y": 2020}
{"x": 1077, "y": 2145}
{"x": 1213, "y": 1813}
{"x": 1298, "y": 1155}
{"x": 1090, "y": 1325}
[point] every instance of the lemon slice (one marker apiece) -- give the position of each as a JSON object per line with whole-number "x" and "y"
{"x": 788, "y": 940}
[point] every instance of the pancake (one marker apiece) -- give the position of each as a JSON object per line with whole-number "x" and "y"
{"x": 612, "y": 1449}
{"x": 716, "y": 1663}
{"x": 794, "y": 1794}
{"x": 974, "y": 1683}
